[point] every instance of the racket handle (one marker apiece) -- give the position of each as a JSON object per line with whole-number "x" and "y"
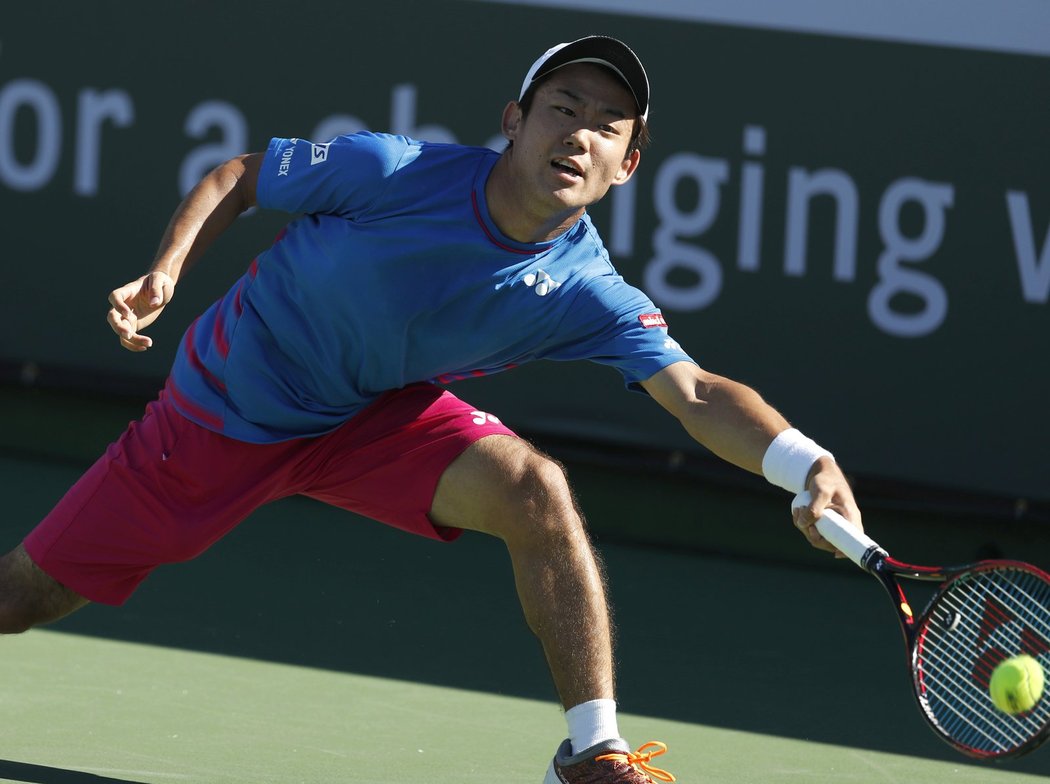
{"x": 842, "y": 534}
{"x": 848, "y": 539}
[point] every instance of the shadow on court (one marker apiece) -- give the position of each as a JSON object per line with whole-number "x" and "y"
{"x": 41, "y": 774}
{"x": 804, "y": 651}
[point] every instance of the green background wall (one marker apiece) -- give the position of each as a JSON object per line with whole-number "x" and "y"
{"x": 857, "y": 228}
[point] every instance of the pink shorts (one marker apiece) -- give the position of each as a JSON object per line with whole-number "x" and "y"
{"x": 168, "y": 488}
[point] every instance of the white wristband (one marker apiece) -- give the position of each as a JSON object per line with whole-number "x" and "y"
{"x": 789, "y": 458}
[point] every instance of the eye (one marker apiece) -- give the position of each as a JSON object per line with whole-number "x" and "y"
{"x": 566, "y": 111}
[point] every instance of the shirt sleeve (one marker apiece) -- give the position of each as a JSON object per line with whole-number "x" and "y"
{"x": 613, "y": 323}
{"x": 341, "y": 177}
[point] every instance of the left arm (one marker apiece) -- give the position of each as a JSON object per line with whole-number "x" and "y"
{"x": 206, "y": 212}
{"x": 736, "y": 424}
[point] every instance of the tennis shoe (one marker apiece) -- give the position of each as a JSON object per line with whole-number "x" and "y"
{"x": 609, "y": 762}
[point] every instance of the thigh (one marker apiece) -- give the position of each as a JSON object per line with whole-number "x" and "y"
{"x": 386, "y": 462}
{"x": 490, "y": 485}
{"x": 164, "y": 492}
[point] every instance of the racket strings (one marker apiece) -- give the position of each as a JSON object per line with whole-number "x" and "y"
{"x": 1031, "y": 592}
{"x": 998, "y": 626}
{"x": 981, "y": 619}
{"x": 961, "y": 709}
{"x": 1026, "y": 634}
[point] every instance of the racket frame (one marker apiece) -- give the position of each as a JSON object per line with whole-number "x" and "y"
{"x": 875, "y": 560}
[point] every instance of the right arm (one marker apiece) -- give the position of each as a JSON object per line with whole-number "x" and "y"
{"x": 734, "y": 422}
{"x": 206, "y": 212}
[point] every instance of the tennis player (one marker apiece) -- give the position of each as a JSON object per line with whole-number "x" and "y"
{"x": 319, "y": 372}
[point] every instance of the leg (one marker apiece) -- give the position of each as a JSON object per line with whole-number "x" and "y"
{"x": 502, "y": 486}
{"x": 163, "y": 493}
{"x": 29, "y": 597}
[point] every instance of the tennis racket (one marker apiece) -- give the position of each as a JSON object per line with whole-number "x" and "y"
{"x": 979, "y": 615}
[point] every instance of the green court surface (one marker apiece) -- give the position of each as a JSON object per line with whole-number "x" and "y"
{"x": 315, "y": 646}
{"x": 80, "y": 710}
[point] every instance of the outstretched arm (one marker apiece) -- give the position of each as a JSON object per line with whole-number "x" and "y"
{"x": 734, "y": 422}
{"x": 206, "y": 212}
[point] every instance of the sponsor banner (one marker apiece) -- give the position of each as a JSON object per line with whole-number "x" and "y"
{"x": 850, "y": 212}
{"x": 1017, "y": 26}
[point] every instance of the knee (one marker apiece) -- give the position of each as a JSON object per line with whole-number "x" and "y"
{"x": 542, "y": 485}
{"x": 541, "y": 494}
{"x": 16, "y": 604}
{"x": 505, "y": 487}
{"x": 14, "y": 619}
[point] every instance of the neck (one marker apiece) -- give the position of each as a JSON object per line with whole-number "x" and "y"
{"x": 519, "y": 217}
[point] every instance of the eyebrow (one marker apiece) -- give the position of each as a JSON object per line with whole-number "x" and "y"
{"x": 617, "y": 113}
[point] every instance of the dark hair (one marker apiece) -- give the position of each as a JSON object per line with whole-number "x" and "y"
{"x": 639, "y": 134}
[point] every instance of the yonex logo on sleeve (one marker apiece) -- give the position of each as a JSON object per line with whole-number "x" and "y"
{"x": 318, "y": 153}
{"x": 650, "y": 320}
{"x": 286, "y": 162}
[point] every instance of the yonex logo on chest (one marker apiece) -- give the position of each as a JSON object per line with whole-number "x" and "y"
{"x": 540, "y": 282}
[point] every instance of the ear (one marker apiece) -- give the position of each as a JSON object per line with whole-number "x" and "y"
{"x": 627, "y": 167}
{"x": 511, "y": 121}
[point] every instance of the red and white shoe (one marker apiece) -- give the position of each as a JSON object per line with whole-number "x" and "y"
{"x": 609, "y": 762}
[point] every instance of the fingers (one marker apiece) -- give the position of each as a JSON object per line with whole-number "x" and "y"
{"x": 118, "y": 298}
{"x": 805, "y": 519}
{"x": 121, "y": 317}
{"x": 137, "y": 304}
{"x": 125, "y": 324}
{"x": 827, "y": 490}
{"x": 136, "y": 342}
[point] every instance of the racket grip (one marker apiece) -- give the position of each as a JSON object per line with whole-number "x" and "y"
{"x": 847, "y": 538}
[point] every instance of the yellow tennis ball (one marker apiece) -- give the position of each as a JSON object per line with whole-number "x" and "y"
{"x": 1017, "y": 684}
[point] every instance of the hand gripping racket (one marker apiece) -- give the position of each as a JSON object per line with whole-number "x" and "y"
{"x": 980, "y": 614}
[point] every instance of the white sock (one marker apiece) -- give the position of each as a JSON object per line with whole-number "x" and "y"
{"x": 591, "y": 723}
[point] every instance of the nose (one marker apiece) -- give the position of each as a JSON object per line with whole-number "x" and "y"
{"x": 578, "y": 137}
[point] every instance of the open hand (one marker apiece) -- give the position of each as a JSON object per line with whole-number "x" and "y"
{"x": 136, "y": 305}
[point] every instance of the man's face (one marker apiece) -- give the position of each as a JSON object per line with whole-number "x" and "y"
{"x": 572, "y": 146}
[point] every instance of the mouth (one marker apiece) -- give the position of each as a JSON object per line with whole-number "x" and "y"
{"x": 567, "y": 167}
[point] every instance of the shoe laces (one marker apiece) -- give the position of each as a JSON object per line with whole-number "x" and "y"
{"x": 640, "y": 759}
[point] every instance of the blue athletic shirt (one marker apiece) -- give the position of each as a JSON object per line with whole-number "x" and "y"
{"x": 396, "y": 274}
